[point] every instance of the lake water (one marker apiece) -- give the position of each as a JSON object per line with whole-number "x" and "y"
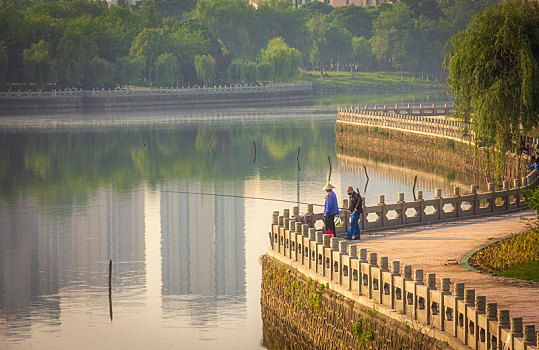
{"x": 184, "y": 224}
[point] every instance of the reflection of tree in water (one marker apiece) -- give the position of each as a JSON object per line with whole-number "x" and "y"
{"x": 65, "y": 165}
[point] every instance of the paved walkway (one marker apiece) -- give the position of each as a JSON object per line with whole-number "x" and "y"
{"x": 439, "y": 248}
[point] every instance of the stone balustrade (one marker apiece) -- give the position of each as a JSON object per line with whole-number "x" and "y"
{"x": 432, "y": 120}
{"x": 411, "y": 109}
{"x": 459, "y": 312}
{"x": 433, "y": 125}
{"x": 159, "y": 91}
{"x": 422, "y": 211}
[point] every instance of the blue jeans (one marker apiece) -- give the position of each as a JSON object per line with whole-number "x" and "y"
{"x": 353, "y": 230}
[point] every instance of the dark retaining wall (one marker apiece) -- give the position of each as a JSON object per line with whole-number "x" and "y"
{"x": 429, "y": 153}
{"x": 36, "y": 104}
{"x": 299, "y": 313}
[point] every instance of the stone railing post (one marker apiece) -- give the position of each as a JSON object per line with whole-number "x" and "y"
{"x": 421, "y": 205}
{"x": 529, "y": 335}
{"x": 518, "y": 195}
{"x": 352, "y": 251}
{"x": 456, "y": 193}
{"x": 401, "y": 202}
{"x": 475, "y": 204}
{"x": 384, "y": 263}
{"x": 381, "y": 202}
{"x": 438, "y": 196}
{"x": 407, "y": 271}
{"x": 363, "y": 255}
{"x": 516, "y": 327}
{"x": 492, "y": 189}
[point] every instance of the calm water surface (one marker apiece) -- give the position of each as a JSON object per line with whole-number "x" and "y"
{"x": 181, "y": 224}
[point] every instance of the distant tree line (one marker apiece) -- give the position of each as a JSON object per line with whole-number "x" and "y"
{"x": 88, "y": 44}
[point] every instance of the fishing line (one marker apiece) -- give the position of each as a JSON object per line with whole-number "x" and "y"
{"x": 243, "y": 197}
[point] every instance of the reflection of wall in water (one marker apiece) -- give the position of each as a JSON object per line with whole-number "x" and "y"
{"x": 43, "y": 251}
{"x": 399, "y": 174}
{"x": 203, "y": 242}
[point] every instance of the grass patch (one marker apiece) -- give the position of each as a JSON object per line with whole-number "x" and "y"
{"x": 528, "y": 271}
{"x": 515, "y": 252}
{"x": 363, "y": 80}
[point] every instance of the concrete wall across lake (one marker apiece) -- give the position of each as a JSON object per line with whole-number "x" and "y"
{"x": 282, "y": 94}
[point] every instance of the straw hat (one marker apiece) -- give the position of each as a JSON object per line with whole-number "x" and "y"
{"x": 328, "y": 186}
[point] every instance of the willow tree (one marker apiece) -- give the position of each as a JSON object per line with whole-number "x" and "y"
{"x": 205, "y": 66}
{"x": 494, "y": 74}
{"x": 3, "y": 63}
{"x": 283, "y": 59}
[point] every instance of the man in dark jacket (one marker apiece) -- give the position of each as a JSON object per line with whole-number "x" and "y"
{"x": 355, "y": 205}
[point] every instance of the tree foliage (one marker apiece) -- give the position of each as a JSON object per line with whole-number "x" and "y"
{"x": 205, "y": 66}
{"x": 494, "y": 72}
{"x": 283, "y": 59}
{"x": 408, "y": 35}
{"x": 101, "y": 73}
{"x": 37, "y": 63}
{"x": 3, "y": 63}
{"x": 166, "y": 70}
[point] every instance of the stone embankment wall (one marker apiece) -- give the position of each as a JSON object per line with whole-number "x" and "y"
{"x": 431, "y": 143}
{"x": 282, "y": 94}
{"x": 411, "y": 297}
{"x": 300, "y": 313}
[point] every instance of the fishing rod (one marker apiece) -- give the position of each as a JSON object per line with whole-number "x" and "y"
{"x": 243, "y": 197}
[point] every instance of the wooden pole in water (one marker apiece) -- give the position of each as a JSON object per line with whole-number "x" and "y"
{"x": 413, "y": 188}
{"x": 110, "y": 276}
{"x": 329, "y": 177}
{"x": 367, "y": 175}
{"x": 211, "y": 141}
{"x": 254, "y": 144}
{"x": 110, "y": 289}
{"x": 297, "y": 158}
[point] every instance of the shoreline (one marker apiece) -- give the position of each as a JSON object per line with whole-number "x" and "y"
{"x": 118, "y": 100}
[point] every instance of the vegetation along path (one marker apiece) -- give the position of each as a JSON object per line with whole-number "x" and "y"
{"x": 439, "y": 248}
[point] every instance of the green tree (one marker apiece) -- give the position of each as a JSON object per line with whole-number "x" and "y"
{"x": 169, "y": 8}
{"x": 361, "y": 53}
{"x": 356, "y": 19}
{"x": 395, "y": 37}
{"x": 264, "y": 71}
{"x": 427, "y": 8}
{"x": 73, "y": 54}
{"x": 318, "y": 28}
{"x": 235, "y": 71}
{"x": 339, "y": 45}
{"x": 130, "y": 69}
{"x": 250, "y": 72}
{"x": 166, "y": 71}
{"x": 205, "y": 66}
{"x": 150, "y": 43}
{"x": 283, "y": 59}
{"x": 37, "y": 63}
{"x": 459, "y": 12}
{"x": 232, "y": 21}
{"x": 315, "y": 8}
{"x": 3, "y": 63}
{"x": 100, "y": 73}
{"x": 494, "y": 73}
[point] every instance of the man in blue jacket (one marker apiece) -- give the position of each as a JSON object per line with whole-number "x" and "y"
{"x": 331, "y": 209}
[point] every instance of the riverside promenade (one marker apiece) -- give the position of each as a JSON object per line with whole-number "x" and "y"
{"x": 440, "y": 247}
{"x": 408, "y": 265}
